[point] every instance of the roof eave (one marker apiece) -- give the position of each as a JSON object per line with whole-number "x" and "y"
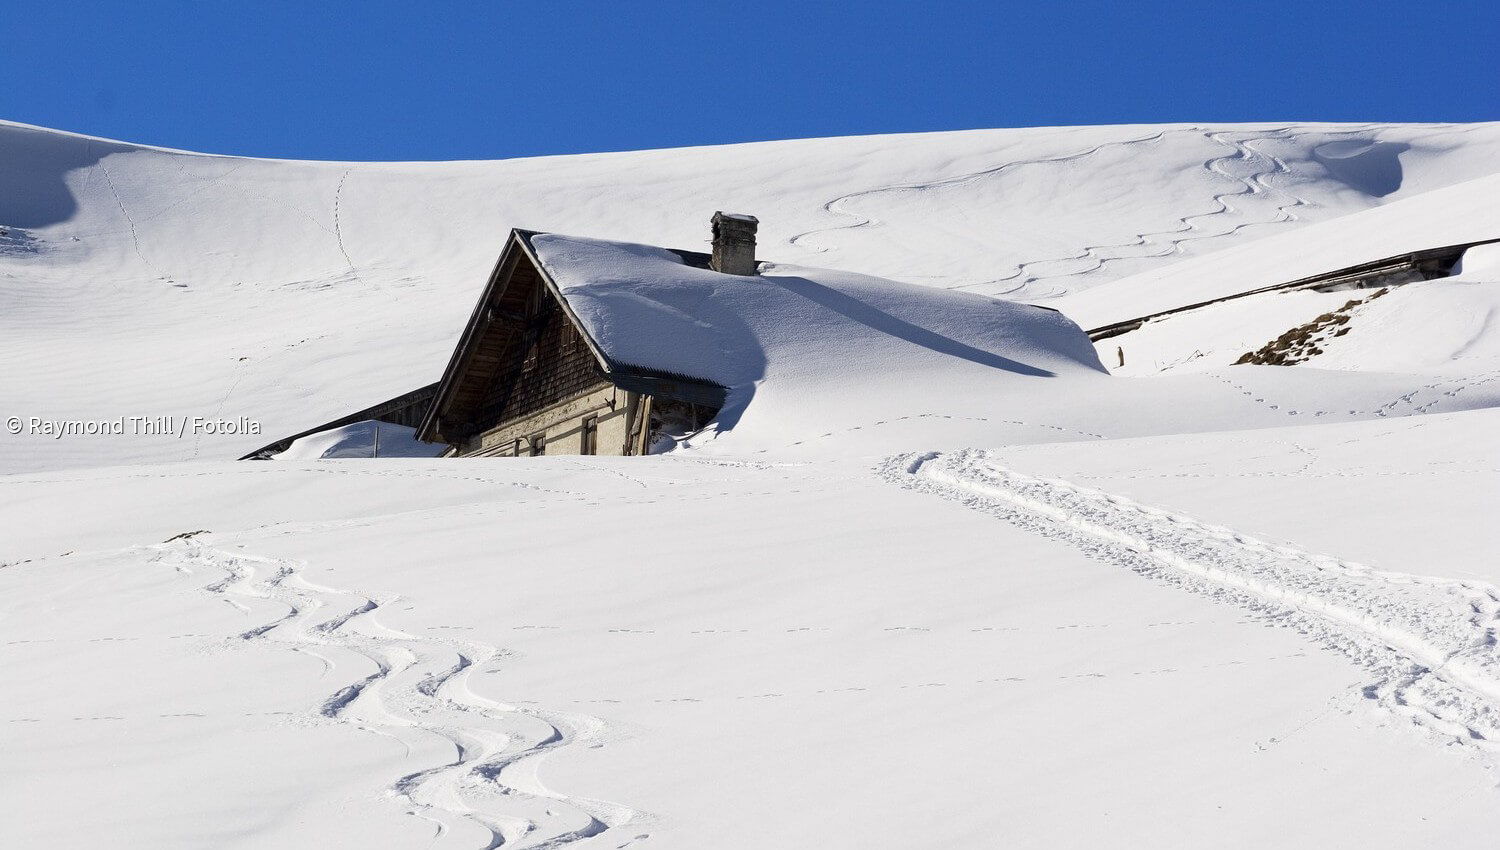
{"x": 427, "y": 431}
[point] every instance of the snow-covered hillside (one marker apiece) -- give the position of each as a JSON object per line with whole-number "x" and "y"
{"x": 951, "y": 580}
{"x": 144, "y": 282}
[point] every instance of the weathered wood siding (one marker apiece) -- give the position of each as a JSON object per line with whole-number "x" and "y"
{"x": 546, "y": 364}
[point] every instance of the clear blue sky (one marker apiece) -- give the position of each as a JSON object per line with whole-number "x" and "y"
{"x": 327, "y": 79}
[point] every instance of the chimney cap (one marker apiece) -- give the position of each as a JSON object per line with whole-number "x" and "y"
{"x": 737, "y": 217}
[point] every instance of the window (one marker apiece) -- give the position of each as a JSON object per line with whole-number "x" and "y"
{"x": 569, "y": 337}
{"x": 538, "y": 444}
{"x": 589, "y": 436}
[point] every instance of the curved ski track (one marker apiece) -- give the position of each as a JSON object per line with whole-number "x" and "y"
{"x": 1189, "y": 228}
{"x": 483, "y": 754}
{"x": 1097, "y": 257}
{"x": 838, "y": 205}
{"x": 1430, "y": 642}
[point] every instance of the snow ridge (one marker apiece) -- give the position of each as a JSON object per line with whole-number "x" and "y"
{"x": 484, "y": 785}
{"x": 1431, "y": 642}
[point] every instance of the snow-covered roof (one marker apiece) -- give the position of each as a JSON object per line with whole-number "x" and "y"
{"x": 663, "y": 310}
{"x": 660, "y": 321}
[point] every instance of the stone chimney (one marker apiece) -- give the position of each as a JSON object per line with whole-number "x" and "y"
{"x": 734, "y": 243}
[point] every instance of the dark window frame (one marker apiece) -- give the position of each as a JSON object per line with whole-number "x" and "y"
{"x": 588, "y": 435}
{"x": 538, "y": 443}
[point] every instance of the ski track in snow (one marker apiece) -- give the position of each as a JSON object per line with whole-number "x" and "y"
{"x": 1096, "y": 257}
{"x": 1189, "y": 227}
{"x": 418, "y": 694}
{"x": 1430, "y": 642}
{"x": 839, "y": 205}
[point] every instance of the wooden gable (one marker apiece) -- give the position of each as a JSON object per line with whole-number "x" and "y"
{"x": 523, "y": 349}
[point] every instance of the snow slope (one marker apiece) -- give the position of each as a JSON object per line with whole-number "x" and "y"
{"x": 144, "y": 282}
{"x": 914, "y": 597}
{"x": 804, "y": 650}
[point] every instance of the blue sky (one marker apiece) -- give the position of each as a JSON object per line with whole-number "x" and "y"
{"x": 447, "y": 80}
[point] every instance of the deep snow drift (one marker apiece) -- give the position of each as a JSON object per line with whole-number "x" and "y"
{"x": 946, "y": 581}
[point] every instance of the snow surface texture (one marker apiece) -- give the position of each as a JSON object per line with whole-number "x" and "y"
{"x": 885, "y": 609}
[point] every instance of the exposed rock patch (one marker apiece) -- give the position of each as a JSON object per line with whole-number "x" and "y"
{"x": 1305, "y": 342}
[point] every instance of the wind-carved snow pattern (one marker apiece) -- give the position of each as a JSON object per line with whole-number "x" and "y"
{"x": 1255, "y": 187}
{"x": 1430, "y": 642}
{"x": 481, "y": 785}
